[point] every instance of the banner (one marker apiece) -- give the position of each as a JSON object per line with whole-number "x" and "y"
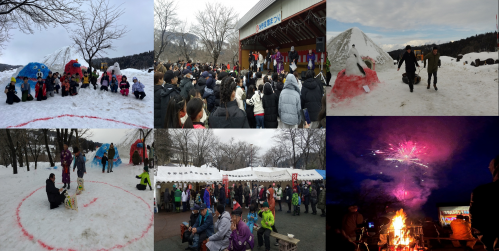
{"x": 269, "y": 22}
{"x": 294, "y": 178}
{"x": 225, "y": 180}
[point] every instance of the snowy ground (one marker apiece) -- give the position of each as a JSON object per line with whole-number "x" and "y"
{"x": 463, "y": 90}
{"x": 112, "y": 215}
{"x": 89, "y": 109}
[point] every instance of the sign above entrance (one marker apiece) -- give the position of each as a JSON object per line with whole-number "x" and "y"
{"x": 269, "y": 22}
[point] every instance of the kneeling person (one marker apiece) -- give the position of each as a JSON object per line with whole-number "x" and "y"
{"x": 54, "y": 194}
{"x": 144, "y": 180}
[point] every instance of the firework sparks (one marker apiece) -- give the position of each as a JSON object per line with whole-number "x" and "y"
{"x": 405, "y": 152}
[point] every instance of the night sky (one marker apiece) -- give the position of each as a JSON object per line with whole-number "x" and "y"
{"x": 459, "y": 152}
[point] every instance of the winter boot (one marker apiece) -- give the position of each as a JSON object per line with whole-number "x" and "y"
{"x": 68, "y": 186}
{"x": 64, "y": 185}
{"x": 428, "y": 87}
{"x": 435, "y": 85}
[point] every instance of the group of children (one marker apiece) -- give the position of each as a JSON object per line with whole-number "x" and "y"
{"x": 68, "y": 84}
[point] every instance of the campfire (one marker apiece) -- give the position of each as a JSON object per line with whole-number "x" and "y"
{"x": 403, "y": 237}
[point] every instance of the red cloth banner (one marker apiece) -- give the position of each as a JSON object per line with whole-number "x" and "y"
{"x": 225, "y": 180}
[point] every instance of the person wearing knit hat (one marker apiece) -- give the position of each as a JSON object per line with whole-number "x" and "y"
{"x": 266, "y": 225}
{"x": 11, "y": 92}
{"x": 410, "y": 65}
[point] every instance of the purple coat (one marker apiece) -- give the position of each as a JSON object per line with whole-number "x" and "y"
{"x": 311, "y": 57}
{"x": 241, "y": 237}
{"x": 278, "y": 58}
{"x": 66, "y": 159}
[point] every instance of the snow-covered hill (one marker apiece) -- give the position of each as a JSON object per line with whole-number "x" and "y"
{"x": 89, "y": 109}
{"x": 340, "y": 45}
{"x": 112, "y": 215}
{"x": 57, "y": 60}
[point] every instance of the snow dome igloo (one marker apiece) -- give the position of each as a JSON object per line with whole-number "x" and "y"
{"x": 72, "y": 67}
{"x": 117, "y": 72}
{"x": 97, "y": 161}
{"x": 139, "y": 146}
{"x": 32, "y": 71}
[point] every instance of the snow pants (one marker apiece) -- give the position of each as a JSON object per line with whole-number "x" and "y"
{"x": 104, "y": 88}
{"x": 124, "y": 91}
{"x": 103, "y": 167}
{"x": 12, "y": 98}
{"x": 80, "y": 174}
{"x": 84, "y": 85}
{"x": 59, "y": 200}
{"x": 141, "y": 187}
{"x": 139, "y": 95}
{"x": 56, "y": 88}
{"x": 114, "y": 88}
{"x": 411, "y": 75}
{"x": 65, "y": 93}
{"x": 434, "y": 78}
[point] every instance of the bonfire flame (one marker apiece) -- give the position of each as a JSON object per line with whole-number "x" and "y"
{"x": 400, "y": 232}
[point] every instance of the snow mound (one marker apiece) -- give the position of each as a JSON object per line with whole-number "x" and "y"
{"x": 59, "y": 58}
{"x": 338, "y": 50}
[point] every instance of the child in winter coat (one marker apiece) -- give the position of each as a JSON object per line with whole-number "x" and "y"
{"x": 252, "y": 218}
{"x": 256, "y": 101}
{"x": 78, "y": 79}
{"x": 26, "y": 90}
{"x": 114, "y": 84}
{"x": 57, "y": 83}
{"x": 11, "y": 92}
{"x": 65, "y": 88}
{"x": 296, "y": 201}
{"x": 93, "y": 79}
{"x": 104, "y": 82}
{"x": 138, "y": 89}
{"x": 198, "y": 200}
{"x": 124, "y": 86}
{"x": 40, "y": 90}
{"x": 85, "y": 80}
{"x": 104, "y": 161}
{"x": 73, "y": 87}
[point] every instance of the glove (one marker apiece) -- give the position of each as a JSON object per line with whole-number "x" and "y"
{"x": 136, "y": 176}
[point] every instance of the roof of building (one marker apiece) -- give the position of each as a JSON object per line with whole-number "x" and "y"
{"x": 259, "y": 7}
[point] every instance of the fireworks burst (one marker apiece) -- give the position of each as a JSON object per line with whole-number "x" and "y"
{"x": 406, "y": 152}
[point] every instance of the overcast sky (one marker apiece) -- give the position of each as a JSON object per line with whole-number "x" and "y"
{"x": 393, "y": 24}
{"x": 186, "y": 10}
{"x": 262, "y": 138}
{"x": 138, "y": 17}
{"x": 107, "y": 135}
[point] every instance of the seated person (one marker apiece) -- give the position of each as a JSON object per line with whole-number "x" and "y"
{"x": 188, "y": 236}
{"x": 53, "y": 193}
{"x": 202, "y": 229}
{"x": 461, "y": 230}
{"x": 144, "y": 180}
{"x": 11, "y": 92}
{"x": 266, "y": 223}
{"x": 220, "y": 240}
{"x": 241, "y": 236}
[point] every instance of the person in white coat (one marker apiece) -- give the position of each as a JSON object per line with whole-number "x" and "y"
{"x": 185, "y": 199}
{"x": 260, "y": 61}
{"x": 220, "y": 240}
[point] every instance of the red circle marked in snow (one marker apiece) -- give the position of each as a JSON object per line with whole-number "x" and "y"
{"x": 76, "y": 116}
{"x": 48, "y": 247}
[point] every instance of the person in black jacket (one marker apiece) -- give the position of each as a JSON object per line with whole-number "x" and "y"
{"x": 228, "y": 114}
{"x": 188, "y": 236}
{"x": 311, "y": 95}
{"x": 250, "y": 108}
{"x": 288, "y": 192}
{"x": 221, "y": 194}
{"x": 410, "y": 65}
{"x": 49, "y": 83}
{"x": 104, "y": 161}
{"x": 239, "y": 192}
{"x": 268, "y": 57}
{"x": 270, "y": 103}
{"x": 293, "y": 58}
{"x": 216, "y": 88}
{"x": 251, "y": 59}
{"x": 279, "y": 85}
{"x": 11, "y": 92}
{"x": 162, "y": 95}
{"x": 484, "y": 200}
{"x": 53, "y": 193}
{"x": 209, "y": 93}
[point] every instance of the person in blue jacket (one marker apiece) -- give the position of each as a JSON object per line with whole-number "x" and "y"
{"x": 203, "y": 228}
{"x": 138, "y": 89}
{"x": 206, "y": 196}
{"x": 252, "y": 218}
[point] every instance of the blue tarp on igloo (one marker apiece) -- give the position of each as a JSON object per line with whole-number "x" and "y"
{"x": 97, "y": 161}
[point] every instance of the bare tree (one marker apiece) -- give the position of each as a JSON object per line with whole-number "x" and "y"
{"x": 202, "y": 142}
{"x": 232, "y": 151}
{"x": 182, "y": 139}
{"x": 98, "y": 29}
{"x": 234, "y": 47}
{"x": 165, "y": 22}
{"x": 35, "y": 145}
{"x": 28, "y": 15}
{"x": 274, "y": 155}
{"x": 184, "y": 42}
{"x": 13, "y": 151}
{"x": 286, "y": 138}
{"x": 319, "y": 147}
{"x": 163, "y": 145}
{"x": 45, "y": 135}
{"x": 215, "y": 24}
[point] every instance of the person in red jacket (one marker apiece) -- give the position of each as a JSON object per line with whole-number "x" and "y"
{"x": 40, "y": 90}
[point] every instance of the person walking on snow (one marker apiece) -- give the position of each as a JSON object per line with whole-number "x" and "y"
{"x": 103, "y": 161}
{"x": 66, "y": 159}
{"x": 433, "y": 59}
{"x": 410, "y": 65}
{"x": 111, "y": 152}
{"x": 79, "y": 163}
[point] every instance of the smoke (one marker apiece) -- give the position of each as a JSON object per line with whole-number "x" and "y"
{"x": 441, "y": 138}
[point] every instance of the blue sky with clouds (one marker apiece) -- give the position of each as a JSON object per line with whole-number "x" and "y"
{"x": 393, "y": 24}
{"x": 138, "y": 17}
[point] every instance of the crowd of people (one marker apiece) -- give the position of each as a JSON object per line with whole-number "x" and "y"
{"x": 261, "y": 201}
{"x": 202, "y": 95}
{"x": 69, "y": 85}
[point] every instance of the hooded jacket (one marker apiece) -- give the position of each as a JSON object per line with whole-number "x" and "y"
{"x": 290, "y": 102}
{"x": 267, "y": 216}
{"x": 162, "y": 95}
{"x": 220, "y": 240}
{"x": 185, "y": 87}
{"x": 138, "y": 87}
{"x": 237, "y": 117}
{"x": 311, "y": 96}
{"x": 270, "y": 106}
{"x": 204, "y": 223}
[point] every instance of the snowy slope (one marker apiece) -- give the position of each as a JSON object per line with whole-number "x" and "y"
{"x": 112, "y": 215}
{"x": 89, "y": 109}
{"x": 59, "y": 58}
{"x": 340, "y": 45}
{"x": 463, "y": 90}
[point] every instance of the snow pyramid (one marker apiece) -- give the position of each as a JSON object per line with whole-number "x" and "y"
{"x": 59, "y": 58}
{"x": 338, "y": 51}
